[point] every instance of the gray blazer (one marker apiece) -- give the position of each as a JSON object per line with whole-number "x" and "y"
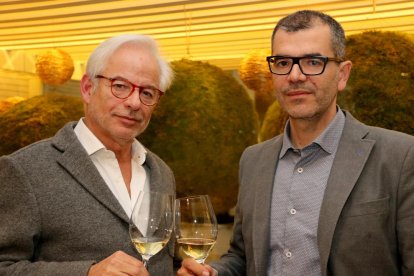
{"x": 366, "y": 224}
{"x": 57, "y": 215}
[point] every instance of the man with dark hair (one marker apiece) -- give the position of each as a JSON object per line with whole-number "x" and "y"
{"x": 329, "y": 196}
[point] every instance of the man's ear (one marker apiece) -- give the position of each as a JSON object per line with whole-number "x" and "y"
{"x": 86, "y": 88}
{"x": 344, "y": 73}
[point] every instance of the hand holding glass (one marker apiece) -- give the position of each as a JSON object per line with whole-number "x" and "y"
{"x": 151, "y": 223}
{"x": 195, "y": 226}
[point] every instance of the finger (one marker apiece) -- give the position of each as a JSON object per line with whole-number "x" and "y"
{"x": 191, "y": 267}
{"x": 129, "y": 265}
{"x": 210, "y": 269}
{"x": 117, "y": 264}
{"x": 183, "y": 272}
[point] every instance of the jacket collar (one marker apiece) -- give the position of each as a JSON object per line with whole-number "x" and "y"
{"x": 76, "y": 161}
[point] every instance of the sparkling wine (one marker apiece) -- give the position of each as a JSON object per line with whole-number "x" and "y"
{"x": 197, "y": 248}
{"x": 148, "y": 247}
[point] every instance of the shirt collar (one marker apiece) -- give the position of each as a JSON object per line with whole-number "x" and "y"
{"x": 328, "y": 140}
{"x": 92, "y": 144}
{"x": 139, "y": 153}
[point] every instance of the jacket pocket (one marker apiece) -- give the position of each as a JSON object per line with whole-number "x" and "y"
{"x": 379, "y": 206}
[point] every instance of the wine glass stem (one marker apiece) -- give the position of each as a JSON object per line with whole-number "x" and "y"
{"x": 146, "y": 264}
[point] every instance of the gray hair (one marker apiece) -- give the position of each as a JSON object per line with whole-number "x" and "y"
{"x": 99, "y": 57}
{"x": 306, "y": 19}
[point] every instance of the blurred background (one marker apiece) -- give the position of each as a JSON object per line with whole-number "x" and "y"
{"x": 221, "y": 100}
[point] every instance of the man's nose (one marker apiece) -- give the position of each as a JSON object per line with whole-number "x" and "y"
{"x": 134, "y": 100}
{"x": 296, "y": 74}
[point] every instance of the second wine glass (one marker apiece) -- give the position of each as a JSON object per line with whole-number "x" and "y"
{"x": 151, "y": 223}
{"x": 195, "y": 226}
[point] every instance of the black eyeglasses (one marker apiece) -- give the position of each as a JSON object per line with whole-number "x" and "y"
{"x": 309, "y": 65}
{"x": 122, "y": 89}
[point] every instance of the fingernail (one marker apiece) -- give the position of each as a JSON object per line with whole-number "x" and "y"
{"x": 206, "y": 273}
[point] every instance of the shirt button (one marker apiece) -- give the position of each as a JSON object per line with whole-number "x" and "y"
{"x": 288, "y": 254}
{"x": 300, "y": 170}
{"x": 292, "y": 211}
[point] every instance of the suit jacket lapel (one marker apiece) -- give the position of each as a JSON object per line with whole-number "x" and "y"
{"x": 352, "y": 153}
{"x": 155, "y": 174}
{"x": 263, "y": 203}
{"x": 157, "y": 184}
{"x": 76, "y": 161}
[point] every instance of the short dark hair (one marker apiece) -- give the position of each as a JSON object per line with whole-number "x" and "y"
{"x": 306, "y": 19}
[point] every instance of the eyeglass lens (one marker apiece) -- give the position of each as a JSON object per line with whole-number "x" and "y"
{"x": 123, "y": 89}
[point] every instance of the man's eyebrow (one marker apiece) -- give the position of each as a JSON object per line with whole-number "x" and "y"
{"x": 125, "y": 79}
{"x": 305, "y": 55}
{"x": 313, "y": 55}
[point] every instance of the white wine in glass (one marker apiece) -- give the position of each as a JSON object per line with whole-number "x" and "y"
{"x": 195, "y": 226}
{"x": 151, "y": 223}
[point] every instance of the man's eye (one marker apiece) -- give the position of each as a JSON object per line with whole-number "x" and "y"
{"x": 315, "y": 62}
{"x": 121, "y": 85}
{"x": 148, "y": 93}
{"x": 282, "y": 62}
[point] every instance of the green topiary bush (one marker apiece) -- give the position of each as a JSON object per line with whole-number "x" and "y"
{"x": 380, "y": 89}
{"x": 274, "y": 122}
{"x": 8, "y": 103}
{"x": 254, "y": 73}
{"x": 36, "y": 118}
{"x": 200, "y": 128}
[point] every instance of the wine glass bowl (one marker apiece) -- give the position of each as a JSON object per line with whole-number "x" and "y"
{"x": 151, "y": 223}
{"x": 195, "y": 226}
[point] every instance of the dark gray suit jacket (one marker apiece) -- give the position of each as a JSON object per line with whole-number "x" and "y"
{"x": 57, "y": 215}
{"x": 366, "y": 224}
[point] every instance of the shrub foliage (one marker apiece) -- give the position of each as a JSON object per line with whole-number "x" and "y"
{"x": 200, "y": 128}
{"x": 36, "y": 118}
{"x": 380, "y": 88}
{"x": 274, "y": 122}
{"x": 255, "y": 74}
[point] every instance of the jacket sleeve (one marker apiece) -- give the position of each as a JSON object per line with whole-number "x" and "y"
{"x": 234, "y": 261}
{"x": 405, "y": 216}
{"x": 20, "y": 228}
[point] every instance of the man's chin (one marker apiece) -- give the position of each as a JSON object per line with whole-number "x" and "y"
{"x": 301, "y": 114}
{"x": 127, "y": 133}
{"x": 126, "y": 136}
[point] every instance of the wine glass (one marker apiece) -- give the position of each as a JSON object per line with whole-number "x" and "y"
{"x": 195, "y": 226}
{"x": 151, "y": 223}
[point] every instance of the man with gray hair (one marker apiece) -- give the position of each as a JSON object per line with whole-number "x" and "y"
{"x": 66, "y": 201}
{"x": 331, "y": 195}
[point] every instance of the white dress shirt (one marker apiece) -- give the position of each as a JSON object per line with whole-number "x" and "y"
{"x": 108, "y": 167}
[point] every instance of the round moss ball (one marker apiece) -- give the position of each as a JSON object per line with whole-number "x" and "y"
{"x": 274, "y": 122}
{"x": 200, "y": 128}
{"x": 36, "y": 118}
{"x": 380, "y": 88}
